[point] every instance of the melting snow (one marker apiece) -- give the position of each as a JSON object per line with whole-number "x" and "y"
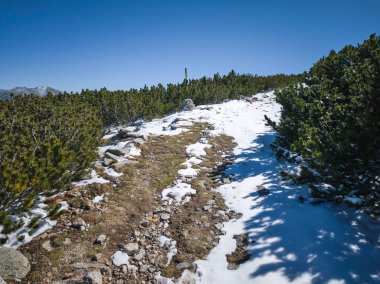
{"x": 120, "y": 258}
{"x": 94, "y": 179}
{"x": 98, "y": 198}
{"x": 179, "y": 191}
{"x": 291, "y": 242}
{"x": 111, "y": 172}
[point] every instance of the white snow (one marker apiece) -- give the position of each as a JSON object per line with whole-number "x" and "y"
{"x": 29, "y": 234}
{"x": 111, "y": 172}
{"x": 291, "y": 242}
{"x": 94, "y": 179}
{"x": 98, "y": 198}
{"x": 171, "y": 244}
{"x": 172, "y": 251}
{"x": 120, "y": 258}
{"x": 179, "y": 191}
{"x": 197, "y": 149}
{"x": 193, "y": 161}
{"x": 189, "y": 172}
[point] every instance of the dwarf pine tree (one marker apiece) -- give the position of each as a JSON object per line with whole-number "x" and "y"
{"x": 333, "y": 120}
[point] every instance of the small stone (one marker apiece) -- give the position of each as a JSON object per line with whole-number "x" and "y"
{"x": 97, "y": 257}
{"x": 100, "y": 239}
{"x": 183, "y": 265}
{"x": 165, "y": 217}
{"x": 138, "y": 257}
{"x": 47, "y": 245}
{"x": 116, "y": 151}
{"x": 144, "y": 268}
{"x": 171, "y": 195}
{"x": 130, "y": 249}
{"x": 145, "y": 223}
{"x": 106, "y": 270}
{"x": 226, "y": 180}
{"x": 187, "y": 105}
{"x": 124, "y": 269}
{"x": 94, "y": 277}
{"x": 262, "y": 190}
{"x": 79, "y": 224}
{"x": 232, "y": 266}
{"x": 206, "y": 208}
{"x": 66, "y": 242}
{"x": 219, "y": 226}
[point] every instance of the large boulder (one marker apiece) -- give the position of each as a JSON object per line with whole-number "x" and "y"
{"x": 13, "y": 264}
{"x": 187, "y": 105}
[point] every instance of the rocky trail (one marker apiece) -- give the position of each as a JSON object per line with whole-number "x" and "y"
{"x": 195, "y": 197}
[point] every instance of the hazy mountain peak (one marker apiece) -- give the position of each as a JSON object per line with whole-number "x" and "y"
{"x": 21, "y": 91}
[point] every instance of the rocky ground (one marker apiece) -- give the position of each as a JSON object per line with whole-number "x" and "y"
{"x": 128, "y": 231}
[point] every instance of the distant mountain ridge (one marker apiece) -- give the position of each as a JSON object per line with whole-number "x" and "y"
{"x": 40, "y": 91}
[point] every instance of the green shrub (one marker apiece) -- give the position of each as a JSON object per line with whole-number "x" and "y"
{"x": 333, "y": 121}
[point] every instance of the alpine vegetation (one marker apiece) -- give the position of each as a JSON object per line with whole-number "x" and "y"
{"x": 333, "y": 122}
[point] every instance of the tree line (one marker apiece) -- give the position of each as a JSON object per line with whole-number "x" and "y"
{"x": 333, "y": 121}
{"x": 46, "y": 142}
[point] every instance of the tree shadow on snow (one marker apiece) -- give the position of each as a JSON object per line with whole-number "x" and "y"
{"x": 326, "y": 241}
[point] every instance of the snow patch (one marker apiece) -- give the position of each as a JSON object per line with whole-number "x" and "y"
{"x": 94, "y": 179}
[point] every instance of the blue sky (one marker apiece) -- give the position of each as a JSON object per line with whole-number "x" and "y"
{"x": 77, "y": 44}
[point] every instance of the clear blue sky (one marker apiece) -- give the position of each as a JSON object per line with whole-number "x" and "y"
{"x": 76, "y": 44}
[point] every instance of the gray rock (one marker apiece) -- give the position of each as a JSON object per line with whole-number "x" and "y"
{"x": 117, "y": 151}
{"x": 66, "y": 242}
{"x": 226, "y": 180}
{"x": 2, "y": 281}
{"x": 171, "y": 195}
{"x": 138, "y": 122}
{"x": 139, "y": 256}
{"x": 144, "y": 268}
{"x": 219, "y": 226}
{"x": 94, "y": 277}
{"x": 47, "y": 245}
{"x": 187, "y": 105}
{"x": 232, "y": 266}
{"x": 145, "y": 223}
{"x": 183, "y": 265}
{"x": 124, "y": 134}
{"x": 79, "y": 224}
{"x": 165, "y": 216}
{"x": 206, "y": 207}
{"x": 262, "y": 190}
{"x": 111, "y": 156}
{"x": 130, "y": 249}
{"x": 100, "y": 239}
{"x": 97, "y": 257}
{"x": 13, "y": 264}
